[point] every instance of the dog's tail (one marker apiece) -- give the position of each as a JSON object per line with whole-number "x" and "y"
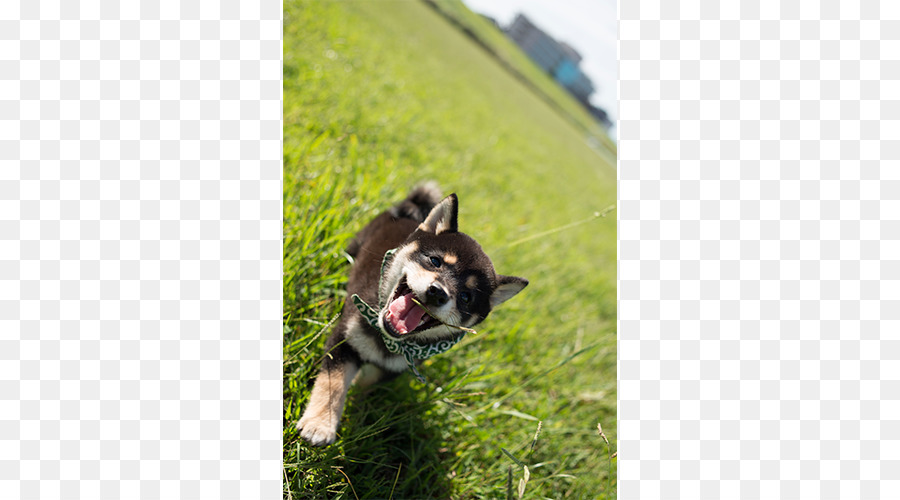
{"x": 419, "y": 202}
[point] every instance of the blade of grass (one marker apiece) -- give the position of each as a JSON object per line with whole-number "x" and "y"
{"x": 596, "y": 215}
{"x": 496, "y": 404}
{"x": 399, "y": 467}
{"x": 536, "y": 434}
{"x": 348, "y": 482}
{"x": 514, "y": 459}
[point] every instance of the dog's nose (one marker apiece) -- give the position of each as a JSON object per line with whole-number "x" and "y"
{"x": 436, "y": 295}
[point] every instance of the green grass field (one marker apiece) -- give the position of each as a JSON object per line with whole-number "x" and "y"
{"x": 379, "y": 95}
{"x": 509, "y": 54}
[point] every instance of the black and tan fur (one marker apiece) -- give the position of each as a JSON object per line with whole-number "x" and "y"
{"x": 442, "y": 268}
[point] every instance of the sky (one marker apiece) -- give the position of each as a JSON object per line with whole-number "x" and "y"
{"x": 589, "y": 26}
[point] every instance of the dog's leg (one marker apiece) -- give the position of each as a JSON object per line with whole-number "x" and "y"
{"x": 322, "y": 417}
{"x": 368, "y": 375}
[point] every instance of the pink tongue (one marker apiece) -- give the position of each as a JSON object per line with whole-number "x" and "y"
{"x": 405, "y": 314}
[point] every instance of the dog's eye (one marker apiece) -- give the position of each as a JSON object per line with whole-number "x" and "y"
{"x": 466, "y": 297}
{"x": 436, "y": 262}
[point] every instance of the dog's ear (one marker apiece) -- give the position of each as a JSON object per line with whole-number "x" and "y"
{"x": 507, "y": 288}
{"x": 442, "y": 218}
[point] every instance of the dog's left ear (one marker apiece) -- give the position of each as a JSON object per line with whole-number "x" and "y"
{"x": 509, "y": 286}
{"x": 442, "y": 218}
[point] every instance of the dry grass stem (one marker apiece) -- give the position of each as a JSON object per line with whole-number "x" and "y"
{"x": 468, "y": 330}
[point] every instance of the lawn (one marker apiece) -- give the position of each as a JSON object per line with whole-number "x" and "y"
{"x": 379, "y": 95}
{"x": 508, "y": 54}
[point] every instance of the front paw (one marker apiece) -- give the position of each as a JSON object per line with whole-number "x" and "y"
{"x": 317, "y": 430}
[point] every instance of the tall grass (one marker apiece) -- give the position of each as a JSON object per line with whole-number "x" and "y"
{"x": 377, "y": 97}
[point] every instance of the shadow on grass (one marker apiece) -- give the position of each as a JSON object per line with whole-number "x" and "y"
{"x": 390, "y": 446}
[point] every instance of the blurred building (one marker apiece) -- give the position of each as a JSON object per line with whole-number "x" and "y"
{"x": 556, "y": 58}
{"x": 601, "y": 116}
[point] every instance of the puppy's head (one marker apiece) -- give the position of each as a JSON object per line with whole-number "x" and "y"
{"x": 445, "y": 271}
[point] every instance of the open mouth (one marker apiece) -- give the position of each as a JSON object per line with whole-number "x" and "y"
{"x": 403, "y": 315}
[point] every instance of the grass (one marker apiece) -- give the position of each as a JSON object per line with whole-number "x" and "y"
{"x": 377, "y": 97}
{"x": 515, "y": 60}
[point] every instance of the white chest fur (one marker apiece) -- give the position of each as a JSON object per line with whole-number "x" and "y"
{"x": 369, "y": 350}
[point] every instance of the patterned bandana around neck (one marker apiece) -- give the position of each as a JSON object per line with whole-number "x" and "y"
{"x": 409, "y": 349}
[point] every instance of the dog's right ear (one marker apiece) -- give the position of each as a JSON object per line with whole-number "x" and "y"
{"x": 507, "y": 288}
{"x": 442, "y": 218}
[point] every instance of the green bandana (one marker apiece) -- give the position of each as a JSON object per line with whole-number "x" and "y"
{"x": 411, "y": 350}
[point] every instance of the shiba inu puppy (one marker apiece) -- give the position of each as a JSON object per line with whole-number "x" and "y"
{"x": 416, "y": 284}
